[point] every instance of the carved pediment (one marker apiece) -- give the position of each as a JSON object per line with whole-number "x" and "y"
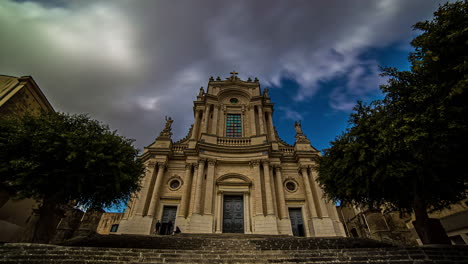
{"x": 233, "y": 179}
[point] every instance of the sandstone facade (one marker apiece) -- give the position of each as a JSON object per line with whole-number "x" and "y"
{"x": 231, "y": 173}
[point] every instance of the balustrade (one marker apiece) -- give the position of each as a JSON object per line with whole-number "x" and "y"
{"x": 234, "y": 141}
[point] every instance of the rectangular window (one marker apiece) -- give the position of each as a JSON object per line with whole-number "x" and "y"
{"x": 114, "y": 228}
{"x": 233, "y": 125}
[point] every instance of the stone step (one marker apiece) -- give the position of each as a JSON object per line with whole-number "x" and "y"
{"x": 232, "y": 250}
{"x": 278, "y": 257}
{"x": 222, "y": 262}
{"x": 185, "y": 256}
{"x": 221, "y": 241}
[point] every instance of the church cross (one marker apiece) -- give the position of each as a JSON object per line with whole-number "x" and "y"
{"x": 234, "y": 73}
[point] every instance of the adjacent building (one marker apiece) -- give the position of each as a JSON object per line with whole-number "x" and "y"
{"x": 18, "y": 95}
{"x": 232, "y": 173}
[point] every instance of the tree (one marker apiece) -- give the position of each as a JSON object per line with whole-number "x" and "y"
{"x": 408, "y": 150}
{"x": 58, "y": 158}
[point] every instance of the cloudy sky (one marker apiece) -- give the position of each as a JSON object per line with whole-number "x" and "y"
{"x": 129, "y": 63}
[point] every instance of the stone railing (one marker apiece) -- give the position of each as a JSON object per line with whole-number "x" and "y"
{"x": 179, "y": 148}
{"x": 224, "y": 141}
{"x": 287, "y": 150}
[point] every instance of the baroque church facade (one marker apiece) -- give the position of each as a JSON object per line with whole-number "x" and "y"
{"x": 232, "y": 173}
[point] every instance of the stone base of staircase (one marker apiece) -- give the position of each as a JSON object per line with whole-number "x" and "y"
{"x": 226, "y": 248}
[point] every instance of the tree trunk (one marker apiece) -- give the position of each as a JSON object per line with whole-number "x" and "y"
{"x": 46, "y": 225}
{"x": 429, "y": 230}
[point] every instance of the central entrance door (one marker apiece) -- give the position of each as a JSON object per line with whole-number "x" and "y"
{"x": 233, "y": 214}
{"x": 297, "y": 224}
{"x": 168, "y": 219}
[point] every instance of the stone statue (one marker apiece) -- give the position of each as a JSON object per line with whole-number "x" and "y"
{"x": 201, "y": 92}
{"x": 167, "y": 129}
{"x": 265, "y": 93}
{"x": 298, "y": 127}
{"x": 169, "y": 122}
{"x": 300, "y": 137}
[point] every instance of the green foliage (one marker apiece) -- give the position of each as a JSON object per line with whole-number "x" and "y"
{"x": 411, "y": 146}
{"x": 61, "y": 158}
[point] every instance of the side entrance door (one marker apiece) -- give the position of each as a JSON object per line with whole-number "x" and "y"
{"x": 168, "y": 219}
{"x": 297, "y": 223}
{"x": 233, "y": 214}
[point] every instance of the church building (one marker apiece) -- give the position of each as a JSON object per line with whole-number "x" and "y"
{"x": 232, "y": 173}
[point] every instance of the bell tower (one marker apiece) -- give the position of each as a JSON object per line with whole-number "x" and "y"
{"x": 233, "y": 110}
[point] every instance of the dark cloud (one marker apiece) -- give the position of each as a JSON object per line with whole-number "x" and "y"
{"x": 130, "y": 63}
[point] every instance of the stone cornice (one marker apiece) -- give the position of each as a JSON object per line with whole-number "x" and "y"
{"x": 233, "y": 149}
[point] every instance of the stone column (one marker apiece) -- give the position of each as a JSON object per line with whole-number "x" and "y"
{"x": 308, "y": 191}
{"x": 273, "y": 191}
{"x": 209, "y": 187}
{"x": 206, "y": 118}
{"x": 191, "y": 205}
{"x": 157, "y": 187}
{"x": 255, "y": 164}
{"x": 198, "y": 190}
{"x": 270, "y": 125}
{"x": 196, "y": 125}
{"x": 260, "y": 120}
{"x": 247, "y": 227}
{"x": 143, "y": 194}
{"x": 280, "y": 192}
{"x": 222, "y": 121}
{"x": 253, "y": 131}
{"x": 219, "y": 212}
{"x": 214, "y": 127}
{"x": 186, "y": 194}
{"x": 318, "y": 194}
{"x": 268, "y": 196}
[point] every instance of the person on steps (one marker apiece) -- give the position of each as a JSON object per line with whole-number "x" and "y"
{"x": 158, "y": 226}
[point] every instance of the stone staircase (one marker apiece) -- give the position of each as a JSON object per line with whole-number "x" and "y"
{"x": 192, "y": 248}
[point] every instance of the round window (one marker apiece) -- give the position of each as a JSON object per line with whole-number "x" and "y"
{"x": 174, "y": 184}
{"x": 291, "y": 186}
{"x": 234, "y": 100}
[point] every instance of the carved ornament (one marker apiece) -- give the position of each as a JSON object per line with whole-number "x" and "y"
{"x": 162, "y": 164}
{"x": 254, "y": 163}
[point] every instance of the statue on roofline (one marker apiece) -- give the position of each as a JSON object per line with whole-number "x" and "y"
{"x": 167, "y": 129}
{"x": 300, "y": 137}
{"x": 298, "y": 127}
{"x": 201, "y": 92}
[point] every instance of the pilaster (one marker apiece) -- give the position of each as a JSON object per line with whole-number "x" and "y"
{"x": 143, "y": 196}
{"x": 268, "y": 196}
{"x": 255, "y": 164}
{"x": 209, "y": 186}
{"x": 157, "y": 188}
{"x": 206, "y": 118}
{"x": 196, "y": 125}
{"x": 308, "y": 191}
{"x": 214, "y": 126}
{"x": 198, "y": 190}
{"x": 183, "y": 212}
{"x": 280, "y": 192}
{"x": 261, "y": 120}
{"x": 253, "y": 130}
{"x": 270, "y": 126}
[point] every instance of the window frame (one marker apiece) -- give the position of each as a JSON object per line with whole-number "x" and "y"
{"x": 229, "y": 128}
